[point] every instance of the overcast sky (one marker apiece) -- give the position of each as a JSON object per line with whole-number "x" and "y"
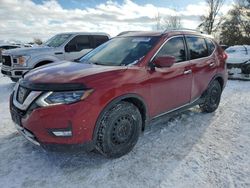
{"x": 25, "y": 19}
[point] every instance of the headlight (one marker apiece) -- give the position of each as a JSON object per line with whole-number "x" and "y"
{"x": 66, "y": 97}
{"x": 21, "y": 60}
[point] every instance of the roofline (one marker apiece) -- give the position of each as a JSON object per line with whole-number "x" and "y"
{"x": 10, "y": 44}
{"x": 85, "y": 33}
{"x": 183, "y": 30}
{"x": 166, "y": 32}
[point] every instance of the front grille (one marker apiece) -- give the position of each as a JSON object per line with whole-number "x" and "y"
{"x": 22, "y": 94}
{"x": 6, "y": 60}
{"x": 20, "y": 112}
{"x": 15, "y": 109}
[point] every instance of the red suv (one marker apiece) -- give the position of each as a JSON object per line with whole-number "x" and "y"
{"x": 105, "y": 100}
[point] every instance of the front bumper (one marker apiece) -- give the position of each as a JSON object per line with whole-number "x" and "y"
{"x": 36, "y": 124}
{"x": 16, "y": 72}
{"x": 28, "y": 135}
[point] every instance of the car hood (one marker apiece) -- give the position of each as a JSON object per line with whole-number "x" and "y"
{"x": 237, "y": 58}
{"x": 27, "y": 51}
{"x": 67, "y": 72}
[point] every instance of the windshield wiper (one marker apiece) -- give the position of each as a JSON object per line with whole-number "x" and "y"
{"x": 96, "y": 63}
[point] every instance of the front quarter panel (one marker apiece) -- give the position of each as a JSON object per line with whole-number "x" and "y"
{"x": 111, "y": 85}
{"x": 40, "y": 58}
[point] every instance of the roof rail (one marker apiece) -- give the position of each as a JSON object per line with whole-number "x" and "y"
{"x": 183, "y": 29}
{"x": 126, "y": 32}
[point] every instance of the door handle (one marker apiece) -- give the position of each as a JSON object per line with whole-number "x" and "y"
{"x": 58, "y": 53}
{"x": 187, "y": 71}
{"x": 211, "y": 64}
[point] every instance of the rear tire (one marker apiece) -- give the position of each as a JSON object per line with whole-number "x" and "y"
{"x": 119, "y": 130}
{"x": 212, "y": 97}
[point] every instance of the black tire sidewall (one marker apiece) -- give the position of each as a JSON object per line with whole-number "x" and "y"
{"x": 207, "y": 106}
{"x": 108, "y": 119}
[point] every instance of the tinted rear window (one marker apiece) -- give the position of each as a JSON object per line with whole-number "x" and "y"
{"x": 78, "y": 43}
{"x": 98, "y": 40}
{"x": 197, "y": 47}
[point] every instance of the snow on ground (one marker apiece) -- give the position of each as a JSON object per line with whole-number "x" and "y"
{"x": 191, "y": 150}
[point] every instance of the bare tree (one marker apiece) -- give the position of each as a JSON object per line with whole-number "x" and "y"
{"x": 172, "y": 22}
{"x": 243, "y": 6}
{"x": 235, "y": 29}
{"x": 210, "y": 22}
{"x": 158, "y": 21}
{"x": 168, "y": 22}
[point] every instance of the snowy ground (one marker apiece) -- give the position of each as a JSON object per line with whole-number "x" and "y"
{"x": 191, "y": 150}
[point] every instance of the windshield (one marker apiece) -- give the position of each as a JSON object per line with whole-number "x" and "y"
{"x": 57, "y": 40}
{"x": 120, "y": 51}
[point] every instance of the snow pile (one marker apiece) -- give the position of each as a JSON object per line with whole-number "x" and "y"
{"x": 191, "y": 150}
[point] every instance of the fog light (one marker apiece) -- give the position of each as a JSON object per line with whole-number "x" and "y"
{"x": 62, "y": 133}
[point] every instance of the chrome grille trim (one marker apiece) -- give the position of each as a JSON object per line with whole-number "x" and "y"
{"x": 7, "y": 60}
{"x": 27, "y": 102}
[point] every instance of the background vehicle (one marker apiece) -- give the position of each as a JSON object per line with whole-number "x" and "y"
{"x": 224, "y": 47}
{"x": 239, "y": 57}
{"x": 107, "y": 99}
{"x": 6, "y": 47}
{"x": 65, "y": 46}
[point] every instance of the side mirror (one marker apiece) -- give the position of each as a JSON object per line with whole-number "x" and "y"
{"x": 164, "y": 61}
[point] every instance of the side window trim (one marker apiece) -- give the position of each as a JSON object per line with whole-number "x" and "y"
{"x": 168, "y": 39}
{"x": 215, "y": 46}
{"x": 186, "y": 48}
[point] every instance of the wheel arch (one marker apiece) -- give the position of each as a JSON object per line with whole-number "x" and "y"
{"x": 220, "y": 79}
{"x": 131, "y": 98}
{"x": 43, "y": 62}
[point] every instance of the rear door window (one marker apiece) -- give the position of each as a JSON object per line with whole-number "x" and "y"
{"x": 174, "y": 47}
{"x": 197, "y": 47}
{"x": 78, "y": 43}
{"x": 99, "y": 39}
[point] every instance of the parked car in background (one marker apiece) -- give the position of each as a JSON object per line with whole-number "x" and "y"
{"x": 64, "y": 46}
{"x": 239, "y": 57}
{"x": 106, "y": 100}
{"x": 224, "y": 47}
{"x": 6, "y": 46}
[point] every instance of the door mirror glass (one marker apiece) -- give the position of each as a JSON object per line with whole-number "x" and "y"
{"x": 164, "y": 61}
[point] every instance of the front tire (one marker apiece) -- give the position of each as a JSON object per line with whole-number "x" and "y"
{"x": 212, "y": 97}
{"x": 119, "y": 130}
